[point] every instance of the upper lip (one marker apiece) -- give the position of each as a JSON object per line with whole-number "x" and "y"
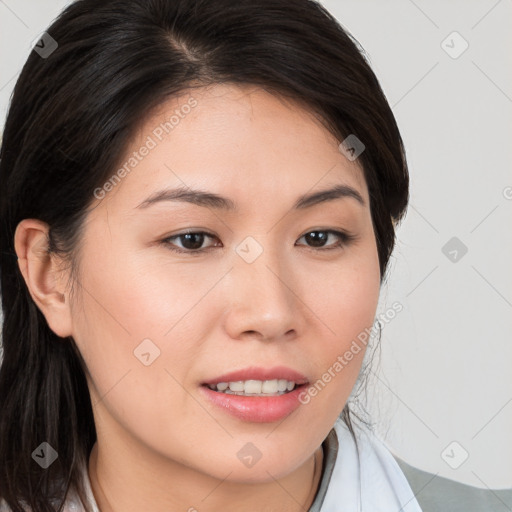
{"x": 260, "y": 373}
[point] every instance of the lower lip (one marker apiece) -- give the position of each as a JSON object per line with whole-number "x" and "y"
{"x": 256, "y": 409}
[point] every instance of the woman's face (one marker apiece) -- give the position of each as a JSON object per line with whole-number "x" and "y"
{"x": 273, "y": 288}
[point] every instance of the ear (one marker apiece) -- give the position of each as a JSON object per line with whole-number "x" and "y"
{"x": 43, "y": 274}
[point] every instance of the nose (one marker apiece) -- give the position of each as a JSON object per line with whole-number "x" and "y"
{"x": 264, "y": 298}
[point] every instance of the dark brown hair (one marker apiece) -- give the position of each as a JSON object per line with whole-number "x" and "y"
{"x": 71, "y": 116}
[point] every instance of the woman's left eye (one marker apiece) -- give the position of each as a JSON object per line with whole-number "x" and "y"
{"x": 319, "y": 237}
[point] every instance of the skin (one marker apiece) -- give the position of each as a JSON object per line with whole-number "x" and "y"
{"x": 159, "y": 441}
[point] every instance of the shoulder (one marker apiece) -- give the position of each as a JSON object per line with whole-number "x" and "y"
{"x": 386, "y": 482}
{"x": 435, "y": 493}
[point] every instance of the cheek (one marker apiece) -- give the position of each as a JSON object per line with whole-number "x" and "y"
{"x": 134, "y": 313}
{"x": 135, "y": 329}
{"x": 347, "y": 293}
{"x": 133, "y": 296}
{"x": 346, "y": 301}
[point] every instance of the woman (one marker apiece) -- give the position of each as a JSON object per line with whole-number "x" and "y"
{"x": 197, "y": 211}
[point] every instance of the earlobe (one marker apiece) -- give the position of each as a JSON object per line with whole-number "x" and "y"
{"x": 43, "y": 277}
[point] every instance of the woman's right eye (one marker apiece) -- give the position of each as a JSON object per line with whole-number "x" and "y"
{"x": 191, "y": 242}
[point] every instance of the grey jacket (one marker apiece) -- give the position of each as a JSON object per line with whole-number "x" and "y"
{"x": 438, "y": 494}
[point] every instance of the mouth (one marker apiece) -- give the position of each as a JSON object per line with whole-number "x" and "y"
{"x": 256, "y": 394}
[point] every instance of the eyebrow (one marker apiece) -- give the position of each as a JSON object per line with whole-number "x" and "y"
{"x": 336, "y": 192}
{"x": 211, "y": 200}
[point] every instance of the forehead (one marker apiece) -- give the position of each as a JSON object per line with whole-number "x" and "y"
{"x": 238, "y": 138}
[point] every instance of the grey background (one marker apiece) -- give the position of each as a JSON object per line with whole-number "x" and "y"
{"x": 441, "y": 390}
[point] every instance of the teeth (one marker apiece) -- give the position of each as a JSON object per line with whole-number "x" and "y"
{"x": 250, "y": 386}
{"x": 236, "y": 386}
{"x": 281, "y": 384}
{"x": 254, "y": 387}
{"x": 270, "y": 386}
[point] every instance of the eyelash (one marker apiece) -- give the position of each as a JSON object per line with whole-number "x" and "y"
{"x": 345, "y": 239}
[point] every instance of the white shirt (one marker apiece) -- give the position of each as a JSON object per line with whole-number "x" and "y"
{"x": 365, "y": 478}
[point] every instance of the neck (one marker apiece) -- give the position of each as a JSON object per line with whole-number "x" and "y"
{"x": 118, "y": 488}
{"x": 293, "y": 493}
